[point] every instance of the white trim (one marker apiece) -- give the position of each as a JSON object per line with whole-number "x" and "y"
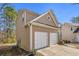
{"x": 38, "y": 17}
{"x": 24, "y": 18}
{"x": 30, "y": 37}
{"x": 46, "y": 26}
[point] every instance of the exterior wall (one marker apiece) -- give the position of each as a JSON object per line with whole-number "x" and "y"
{"x": 42, "y": 29}
{"x": 46, "y": 19}
{"x": 27, "y": 15}
{"x": 67, "y": 33}
{"x": 22, "y": 34}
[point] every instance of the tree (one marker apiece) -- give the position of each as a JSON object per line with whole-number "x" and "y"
{"x": 9, "y": 16}
{"x": 75, "y": 19}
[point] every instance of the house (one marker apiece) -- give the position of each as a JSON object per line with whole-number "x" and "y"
{"x": 34, "y": 31}
{"x": 70, "y": 32}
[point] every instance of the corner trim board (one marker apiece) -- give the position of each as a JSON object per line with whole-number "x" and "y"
{"x": 30, "y": 37}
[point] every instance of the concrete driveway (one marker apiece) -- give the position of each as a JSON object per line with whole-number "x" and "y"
{"x": 58, "y": 50}
{"x": 73, "y": 45}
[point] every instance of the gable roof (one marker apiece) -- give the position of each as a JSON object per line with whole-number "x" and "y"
{"x": 51, "y": 15}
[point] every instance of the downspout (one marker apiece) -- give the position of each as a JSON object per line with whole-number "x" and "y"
{"x": 59, "y": 34}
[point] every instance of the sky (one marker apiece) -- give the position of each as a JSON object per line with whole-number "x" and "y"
{"x": 64, "y": 12}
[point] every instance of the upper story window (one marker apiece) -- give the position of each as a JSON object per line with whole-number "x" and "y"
{"x": 48, "y": 17}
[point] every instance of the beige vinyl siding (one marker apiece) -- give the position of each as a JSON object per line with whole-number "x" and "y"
{"x": 22, "y": 32}
{"x": 46, "y": 19}
{"x": 30, "y": 16}
{"x": 67, "y": 33}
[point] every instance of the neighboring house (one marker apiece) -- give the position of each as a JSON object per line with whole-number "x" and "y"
{"x": 34, "y": 31}
{"x": 70, "y": 32}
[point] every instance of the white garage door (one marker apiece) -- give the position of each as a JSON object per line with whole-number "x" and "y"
{"x": 41, "y": 39}
{"x": 53, "y": 38}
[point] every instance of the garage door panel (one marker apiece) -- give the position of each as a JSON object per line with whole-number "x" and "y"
{"x": 45, "y": 42}
{"x": 44, "y": 39}
{"x": 41, "y": 39}
{"x": 53, "y": 38}
{"x": 37, "y": 41}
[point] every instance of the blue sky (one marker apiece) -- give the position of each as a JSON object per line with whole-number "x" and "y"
{"x": 63, "y": 12}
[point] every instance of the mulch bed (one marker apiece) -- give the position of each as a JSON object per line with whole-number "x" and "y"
{"x": 14, "y": 51}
